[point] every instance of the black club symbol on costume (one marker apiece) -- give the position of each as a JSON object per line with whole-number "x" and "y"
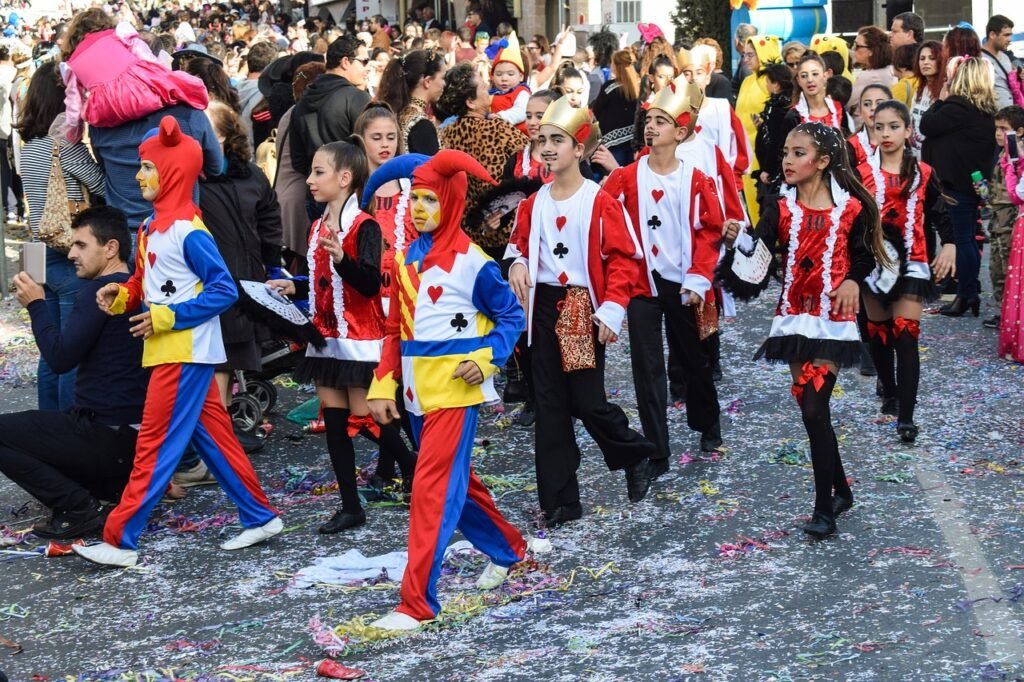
{"x": 168, "y": 288}
{"x": 654, "y": 223}
{"x": 560, "y": 250}
{"x": 806, "y": 264}
{"x": 459, "y": 322}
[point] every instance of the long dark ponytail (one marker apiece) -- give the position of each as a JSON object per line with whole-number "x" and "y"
{"x": 404, "y": 73}
{"x": 829, "y": 141}
{"x": 908, "y": 166}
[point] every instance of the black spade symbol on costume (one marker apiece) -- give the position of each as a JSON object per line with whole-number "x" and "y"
{"x": 654, "y": 223}
{"x": 323, "y": 283}
{"x": 892, "y": 214}
{"x": 560, "y": 250}
{"x": 168, "y": 288}
{"x": 459, "y": 322}
{"x": 806, "y": 264}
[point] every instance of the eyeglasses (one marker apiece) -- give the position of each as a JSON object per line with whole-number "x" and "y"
{"x": 533, "y": 47}
{"x": 362, "y": 60}
{"x": 858, "y": 46}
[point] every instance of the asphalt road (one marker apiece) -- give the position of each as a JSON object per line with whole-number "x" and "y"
{"x": 708, "y": 578}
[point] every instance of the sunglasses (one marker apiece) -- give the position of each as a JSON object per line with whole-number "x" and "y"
{"x": 364, "y": 61}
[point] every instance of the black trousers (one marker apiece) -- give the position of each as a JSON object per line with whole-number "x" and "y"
{"x": 563, "y": 395}
{"x": 64, "y": 458}
{"x": 645, "y": 315}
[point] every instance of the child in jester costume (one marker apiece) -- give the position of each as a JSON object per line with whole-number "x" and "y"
{"x": 184, "y": 285}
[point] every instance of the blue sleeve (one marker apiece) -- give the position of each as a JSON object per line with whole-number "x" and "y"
{"x": 219, "y": 292}
{"x": 64, "y": 349}
{"x": 493, "y": 297}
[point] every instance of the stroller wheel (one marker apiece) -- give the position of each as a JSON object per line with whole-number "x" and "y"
{"x": 264, "y": 392}
{"x": 245, "y": 412}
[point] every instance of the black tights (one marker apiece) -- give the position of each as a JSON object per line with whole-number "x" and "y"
{"x": 817, "y": 416}
{"x": 343, "y": 457}
{"x": 392, "y": 449}
{"x": 896, "y": 357}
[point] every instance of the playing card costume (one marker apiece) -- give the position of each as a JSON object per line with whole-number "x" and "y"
{"x": 450, "y": 304}
{"x": 181, "y": 276}
{"x": 583, "y": 261}
{"x": 677, "y": 219}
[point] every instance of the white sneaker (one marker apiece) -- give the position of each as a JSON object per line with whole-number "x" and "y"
{"x": 107, "y": 555}
{"x": 396, "y": 620}
{"x": 539, "y": 545}
{"x": 253, "y": 536}
{"x": 493, "y": 576}
{"x": 197, "y": 475}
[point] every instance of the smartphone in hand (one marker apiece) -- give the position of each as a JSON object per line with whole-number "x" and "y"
{"x": 1011, "y": 145}
{"x": 33, "y": 261}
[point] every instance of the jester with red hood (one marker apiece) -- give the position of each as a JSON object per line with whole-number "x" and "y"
{"x": 452, "y": 324}
{"x": 183, "y": 286}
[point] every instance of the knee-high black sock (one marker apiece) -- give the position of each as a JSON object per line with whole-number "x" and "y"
{"x": 908, "y": 366}
{"x": 880, "y": 342}
{"x": 343, "y": 457}
{"x": 391, "y": 443}
{"x": 814, "y": 390}
{"x": 839, "y": 481}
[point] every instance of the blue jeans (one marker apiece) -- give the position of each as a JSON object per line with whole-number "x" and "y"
{"x": 57, "y": 391}
{"x": 964, "y": 219}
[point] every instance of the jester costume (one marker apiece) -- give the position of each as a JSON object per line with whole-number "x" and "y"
{"x": 450, "y": 304}
{"x": 182, "y": 278}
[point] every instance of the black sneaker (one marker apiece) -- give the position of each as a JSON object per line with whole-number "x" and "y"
{"x": 992, "y": 322}
{"x": 70, "y": 525}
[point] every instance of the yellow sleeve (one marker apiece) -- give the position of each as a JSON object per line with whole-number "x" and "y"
{"x": 483, "y": 358}
{"x": 162, "y": 317}
{"x": 120, "y": 303}
{"x": 384, "y": 388}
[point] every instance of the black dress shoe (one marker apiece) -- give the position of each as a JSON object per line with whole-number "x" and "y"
{"x": 711, "y": 440}
{"x": 992, "y": 322}
{"x": 821, "y": 525}
{"x": 527, "y": 417}
{"x": 907, "y": 432}
{"x": 841, "y": 504}
{"x": 716, "y": 370}
{"x": 343, "y": 520}
{"x": 657, "y": 467}
{"x": 638, "y": 480}
{"x": 70, "y": 525}
{"x": 890, "y": 406}
{"x": 563, "y": 515}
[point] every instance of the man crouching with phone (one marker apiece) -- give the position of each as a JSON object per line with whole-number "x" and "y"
{"x": 71, "y": 460}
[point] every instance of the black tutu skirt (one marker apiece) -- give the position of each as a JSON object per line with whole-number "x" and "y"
{"x": 800, "y": 349}
{"x": 925, "y": 289}
{"x": 331, "y": 373}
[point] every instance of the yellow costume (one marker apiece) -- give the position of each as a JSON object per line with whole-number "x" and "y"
{"x": 749, "y": 103}
{"x": 823, "y": 42}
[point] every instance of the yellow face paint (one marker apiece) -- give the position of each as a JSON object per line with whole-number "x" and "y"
{"x": 149, "y": 180}
{"x": 426, "y": 210}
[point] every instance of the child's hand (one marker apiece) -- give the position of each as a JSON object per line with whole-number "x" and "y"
{"x": 765, "y": 178}
{"x": 605, "y": 335}
{"x": 603, "y": 158}
{"x": 493, "y": 221}
{"x": 285, "y": 287}
{"x": 945, "y": 263}
{"x": 690, "y": 297}
{"x": 730, "y": 232}
{"x": 144, "y": 328}
{"x": 519, "y": 279}
{"x": 846, "y": 297}
{"x": 383, "y": 411}
{"x": 106, "y": 296}
{"x": 469, "y": 372}
{"x": 331, "y": 244}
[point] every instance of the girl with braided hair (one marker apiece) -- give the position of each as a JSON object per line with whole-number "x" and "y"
{"x": 825, "y": 225}
{"x": 912, "y": 211}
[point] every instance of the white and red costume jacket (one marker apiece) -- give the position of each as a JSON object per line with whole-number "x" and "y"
{"x": 696, "y": 213}
{"x": 703, "y": 154}
{"x": 860, "y": 147}
{"x": 351, "y": 323}
{"x": 390, "y": 212}
{"x": 718, "y": 122}
{"x": 610, "y": 250}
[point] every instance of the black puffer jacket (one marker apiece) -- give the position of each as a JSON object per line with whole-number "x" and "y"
{"x": 325, "y": 113}
{"x": 240, "y": 210}
{"x": 959, "y": 138}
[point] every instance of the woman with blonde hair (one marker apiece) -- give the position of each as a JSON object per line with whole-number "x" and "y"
{"x": 959, "y": 140}
{"x": 615, "y": 107}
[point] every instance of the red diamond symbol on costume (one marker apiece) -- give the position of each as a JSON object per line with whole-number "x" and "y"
{"x": 408, "y": 393}
{"x": 152, "y": 258}
{"x": 560, "y": 222}
{"x": 563, "y": 278}
{"x": 654, "y": 250}
{"x": 435, "y": 293}
{"x": 657, "y": 194}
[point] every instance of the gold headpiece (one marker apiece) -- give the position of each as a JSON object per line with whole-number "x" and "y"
{"x": 681, "y": 100}
{"x": 578, "y": 123}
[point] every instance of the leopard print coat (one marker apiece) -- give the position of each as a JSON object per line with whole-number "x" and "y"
{"x": 492, "y": 142}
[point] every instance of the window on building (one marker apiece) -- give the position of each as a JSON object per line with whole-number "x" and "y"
{"x": 627, "y": 11}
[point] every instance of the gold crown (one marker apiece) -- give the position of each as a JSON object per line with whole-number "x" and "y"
{"x": 679, "y": 99}
{"x": 578, "y": 123}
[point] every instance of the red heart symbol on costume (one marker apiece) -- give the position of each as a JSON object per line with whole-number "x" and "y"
{"x": 434, "y": 293}
{"x": 560, "y": 222}
{"x": 696, "y": 129}
{"x": 152, "y": 258}
{"x": 657, "y": 194}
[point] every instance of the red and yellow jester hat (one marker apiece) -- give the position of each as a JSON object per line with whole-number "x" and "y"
{"x": 445, "y": 175}
{"x": 681, "y": 100}
{"x": 578, "y": 123}
{"x": 506, "y": 50}
{"x": 178, "y": 159}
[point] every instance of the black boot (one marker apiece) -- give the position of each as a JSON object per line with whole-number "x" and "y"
{"x": 821, "y": 525}
{"x": 841, "y": 504}
{"x": 72, "y": 523}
